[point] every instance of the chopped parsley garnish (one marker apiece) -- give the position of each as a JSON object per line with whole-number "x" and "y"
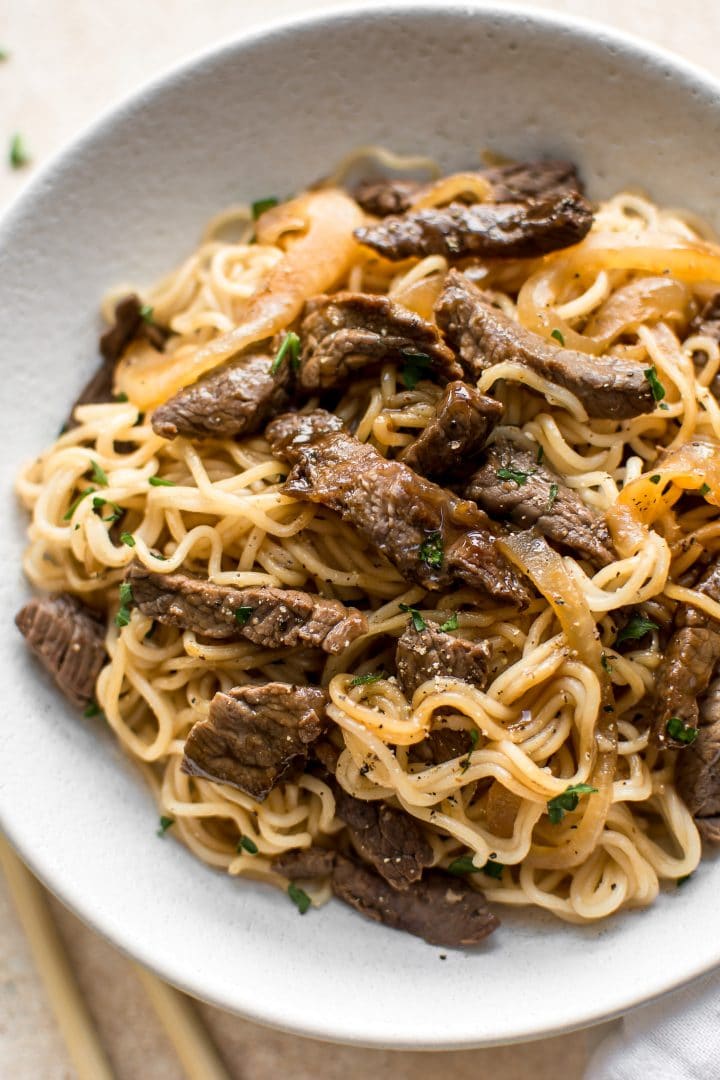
{"x": 704, "y": 490}
{"x": 160, "y": 481}
{"x": 681, "y": 732}
{"x": 290, "y": 347}
{"x": 4, "y": 55}
{"x": 417, "y": 619}
{"x": 299, "y": 897}
{"x": 128, "y": 539}
{"x": 18, "y": 156}
{"x": 638, "y": 627}
{"x": 450, "y": 624}
{"x": 552, "y": 496}
{"x": 493, "y": 869}
{"x": 371, "y": 677}
{"x": 431, "y": 550}
{"x": 474, "y": 736}
{"x": 558, "y": 336}
{"x": 74, "y": 505}
{"x": 466, "y": 763}
{"x": 506, "y": 473}
{"x": 98, "y": 474}
{"x": 261, "y": 205}
{"x": 463, "y": 865}
{"x": 165, "y": 823}
{"x": 242, "y": 615}
{"x": 117, "y": 511}
{"x": 540, "y": 454}
{"x": 246, "y": 844}
{"x": 146, "y": 313}
{"x": 93, "y": 709}
{"x": 606, "y": 665}
{"x": 415, "y": 369}
{"x": 566, "y": 801}
{"x": 664, "y": 405}
{"x": 121, "y": 397}
{"x": 656, "y": 478}
{"x": 658, "y": 390}
{"x": 126, "y": 597}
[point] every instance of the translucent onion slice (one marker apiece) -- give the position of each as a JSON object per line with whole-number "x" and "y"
{"x": 692, "y": 467}
{"x": 642, "y": 301}
{"x": 314, "y": 262}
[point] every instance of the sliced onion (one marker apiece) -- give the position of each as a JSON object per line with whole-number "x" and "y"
{"x": 313, "y": 263}
{"x": 692, "y": 261}
{"x": 686, "y": 468}
{"x": 642, "y": 301}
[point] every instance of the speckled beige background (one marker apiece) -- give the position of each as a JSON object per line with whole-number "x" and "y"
{"x": 69, "y": 60}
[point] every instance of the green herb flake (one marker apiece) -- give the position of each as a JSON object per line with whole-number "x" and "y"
{"x": 160, "y": 481}
{"x": 261, "y": 205}
{"x": 474, "y": 737}
{"x": 242, "y": 615}
{"x": 704, "y": 490}
{"x": 74, "y": 505}
{"x": 463, "y": 865}
{"x": 364, "y": 680}
{"x": 540, "y": 454}
{"x": 518, "y": 477}
{"x": 432, "y": 551}
{"x": 681, "y": 880}
{"x": 656, "y": 478}
{"x": 558, "y": 337}
{"x": 449, "y": 624}
{"x": 664, "y": 405}
{"x": 98, "y": 474}
{"x": 606, "y": 665}
{"x": 299, "y": 897}
{"x": 128, "y": 539}
{"x": 416, "y": 368}
{"x": 4, "y": 55}
{"x": 99, "y": 503}
{"x": 553, "y": 494}
{"x": 658, "y": 390}
{"x": 146, "y": 313}
{"x": 165, "y": 824}
{"x": 567, "y": 801}
{"x": 121, "y": 397}
{"x": 18, "y": 155}
{"x": 291, "y": 348}
{"x": 681, "y": 732}
{"x": 93, "y": 709}
{"x": 417, "y": 619}
{"x": 493, "y": 869}
{"x": 246, "y": 844}
{"x": 637, "y": 628}
{"x": 126, "y": 598}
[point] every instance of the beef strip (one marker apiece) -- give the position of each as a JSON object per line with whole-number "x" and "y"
{"x": 432, "y": 537}
{"x": 423, "y": 654}
{"x": 69, "y": 640}
{"x": 697, "y": 772}
{"x": 510, "y": 183}
{"x": 440, "y": 745}
{"x": 512, "y": 229}
{"x": 232, "y": 400}
{"x": 707, "y": 322}
{"x": 463, "y": 421}
{"x": 270, "y": 617}
{"x": 607, "y": 386}
{"x": 254, "y": 735}
{"x": 129, "y": 324}
{"x": 348, "y": 332}
{"x": 443, "y": 910}
{"x": 288, "y": 433}
{"x": 308, "y": 863}
{"x": 390, "y": 840}
{"x": 511, "y": 486}
{"x": 688, "y": 661}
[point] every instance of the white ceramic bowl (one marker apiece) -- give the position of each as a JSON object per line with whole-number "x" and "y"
{"x": 268, "y": 114}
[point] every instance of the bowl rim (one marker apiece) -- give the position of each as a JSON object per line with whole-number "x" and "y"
{"x": 583, "y": 27}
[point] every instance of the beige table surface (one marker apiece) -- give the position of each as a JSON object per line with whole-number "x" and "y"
{"x": 69, "y": 60}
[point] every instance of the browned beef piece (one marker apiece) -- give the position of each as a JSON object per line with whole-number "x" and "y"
{"x": 607, "y": 386}
{"x": 512, "y": 229}
{"x": 291, "y": 431}
{"x": 391, "y": 840}
{"x": 460, "y": 429}
{"x": 423, "y": 654}
{"x": 442, "y": 910}
{"x": 255, "y": 735}
{"x": 68, "y": 639}
{"x": 688, "y": 662}
{"x": 432, "y": 537}
{"x": 511, "y": 486}
{"x": 708, "y": 322}
{"x": 232, "y": 400}
{"x": 697, "y": 772}
{"x": 313, "y": 862}
{"x": 510, "y": 183}
{"x": 349, "y": 332}
{"x": 440, "y": 745}
{"x": 272, "y": 618}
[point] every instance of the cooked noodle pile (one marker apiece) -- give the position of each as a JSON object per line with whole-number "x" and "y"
{"x": 561, "y": 708}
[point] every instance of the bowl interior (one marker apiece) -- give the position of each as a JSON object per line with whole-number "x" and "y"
{"x": 265, "y": 115}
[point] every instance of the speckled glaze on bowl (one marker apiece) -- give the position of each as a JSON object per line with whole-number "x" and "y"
{"x": 270, "y": 113}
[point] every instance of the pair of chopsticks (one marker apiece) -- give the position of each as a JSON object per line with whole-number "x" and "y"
{"x": 183, "y": 1027}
